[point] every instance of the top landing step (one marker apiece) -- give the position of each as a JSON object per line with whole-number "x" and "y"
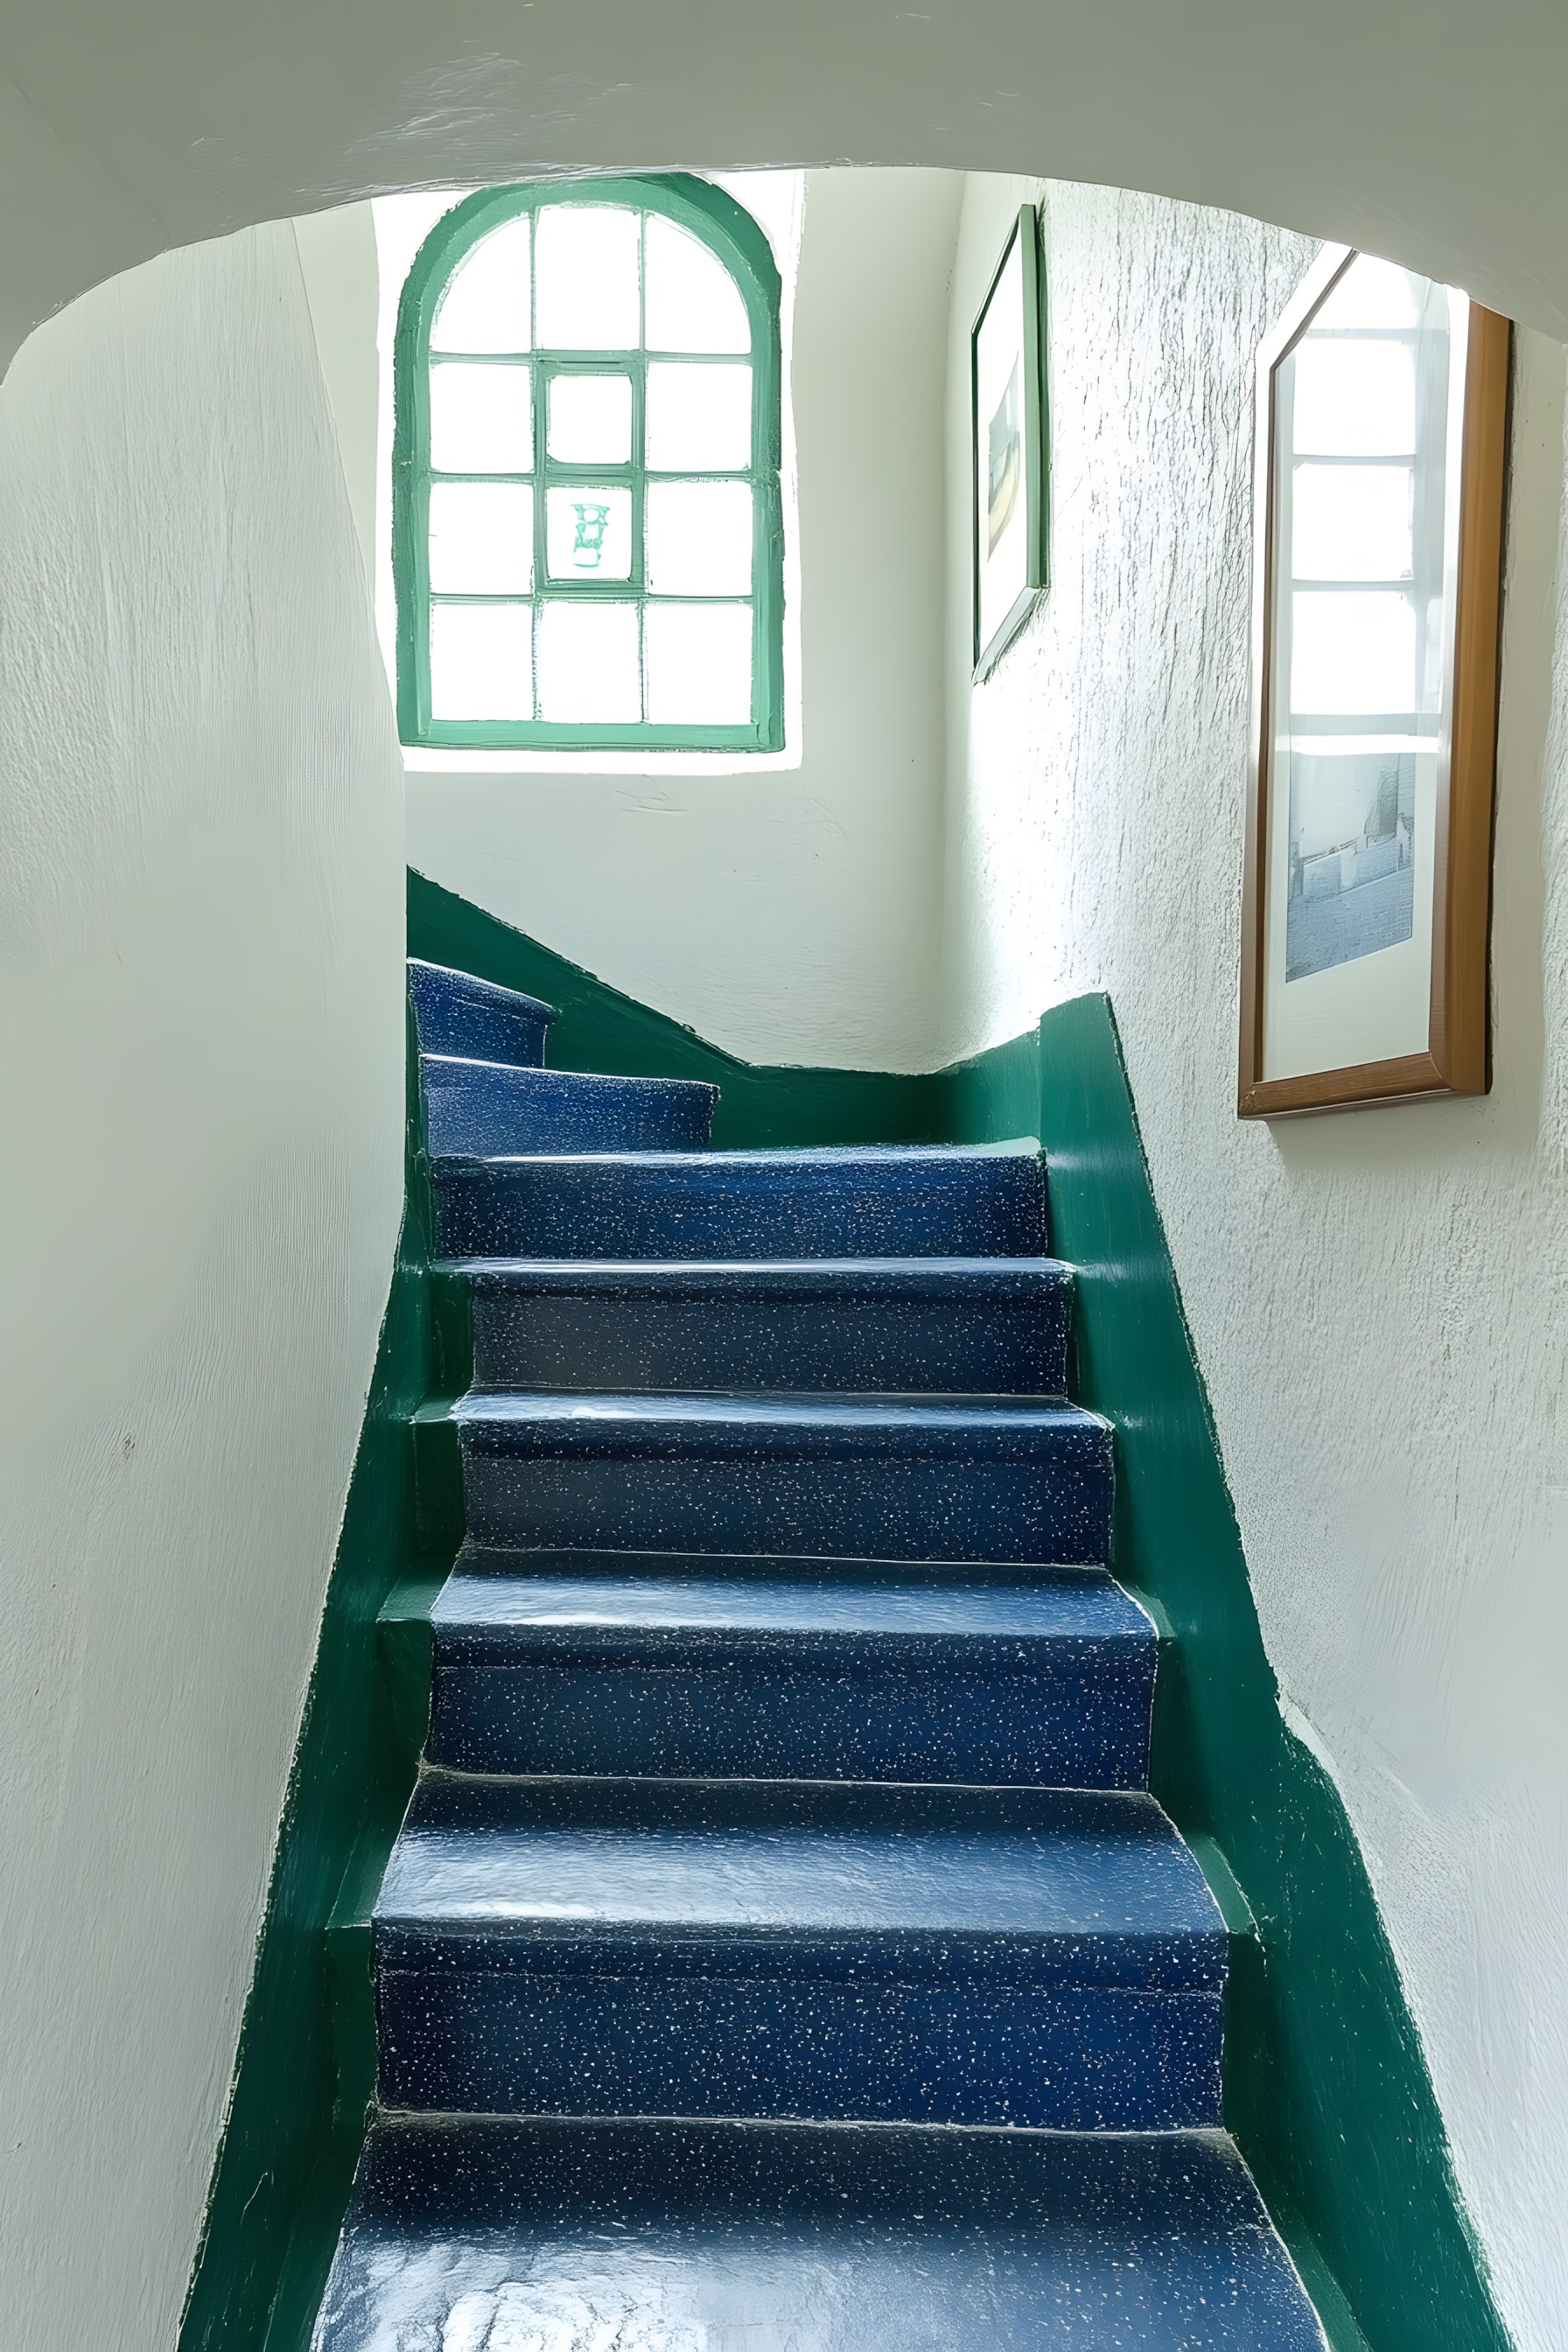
{"x": 455, "y": 1013}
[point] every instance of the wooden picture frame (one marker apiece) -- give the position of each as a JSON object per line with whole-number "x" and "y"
{"x": 1430, "y": 1025}
{"x": 1009, "y": 518}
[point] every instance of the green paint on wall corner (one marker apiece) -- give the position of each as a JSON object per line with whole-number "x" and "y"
{"x": 1326, "y": 2083}
{"x": 600, "y": 1029}
{"x": 304, "y": 2071}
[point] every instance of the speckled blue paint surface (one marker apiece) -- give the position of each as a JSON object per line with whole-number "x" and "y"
{"x": 687, "y": 2237}
{"x": 787, "y": 1775}
{"x": 984, "y": 1326}
{"x": 476, "y": 1106}
{"x": 916, "y": 1201}
{"x": 893, "y": 1478}
{"x": 702, "y": 1675}
{"x": 454, "y": 1012}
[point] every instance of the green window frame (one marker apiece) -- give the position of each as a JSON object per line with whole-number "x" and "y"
{"x": 728, "y": 230}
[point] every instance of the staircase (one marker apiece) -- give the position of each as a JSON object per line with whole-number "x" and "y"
{"x": 781, "y": 1952}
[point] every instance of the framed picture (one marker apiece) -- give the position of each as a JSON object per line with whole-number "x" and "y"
{"x": 1382, "y": 434}
{"x": 1006, "y": 376}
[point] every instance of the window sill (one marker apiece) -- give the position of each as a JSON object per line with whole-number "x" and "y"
{"x": 418, "y": 759}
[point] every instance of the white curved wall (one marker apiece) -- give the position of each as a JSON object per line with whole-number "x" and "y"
{"x": 1430, "y": 133}
{"x": 201, "y": 923}
{"x": 1376, "y": 1299}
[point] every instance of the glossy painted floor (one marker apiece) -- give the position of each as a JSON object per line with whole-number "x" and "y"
{"x": 781, "y": 1952}
{"x": 679, "y": 2237}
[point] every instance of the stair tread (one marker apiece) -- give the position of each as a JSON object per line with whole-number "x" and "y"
{"x": 421, "y": 968}
{"x": 807, "y": 2238}
{"x": 477, "y": 1104}
{"x": 818, "y": 1201}
{"x": 714, "y": 1167}
{"x": 481, "y": 1560}
{"x": 530, "y": 1078}
{"x": 756, "y": 1277}
{"x": 1097, "y": 1883}
{"x": 456, "y": 1011}
{"x": 961, "y": 1419}
{"x": 1081, "y": 1608}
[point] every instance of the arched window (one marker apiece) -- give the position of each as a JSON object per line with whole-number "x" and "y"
{"x": 586, "y": 530}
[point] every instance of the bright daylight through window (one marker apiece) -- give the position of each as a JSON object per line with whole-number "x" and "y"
{"x": 588, "y": 547}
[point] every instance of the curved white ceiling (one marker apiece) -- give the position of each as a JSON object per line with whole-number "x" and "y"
{"x": 1426, "y": 129}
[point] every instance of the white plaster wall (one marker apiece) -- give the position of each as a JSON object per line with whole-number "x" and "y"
{"x": 1430, "y": 132}
{"x": 787, "y": 905}
{"x": 338, "y": 262}
{"x": 201, "y": 1061}
{"x": 1377, "y": 1300}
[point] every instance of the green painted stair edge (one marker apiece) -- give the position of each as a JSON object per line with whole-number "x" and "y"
{"x": 1327, "y": 2088}
{"x": 304, "y": 2070}
{"x": 1326, "y": 2084}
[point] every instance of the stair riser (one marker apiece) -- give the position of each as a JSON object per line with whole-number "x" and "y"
{"x": 455, "y": 1013}
{"x": 866, "y": 1510}
{"x": 990, "y": 1208}
{"x": 532, "y": 1340}
{"x": 1061, "y": 2059}
{"x": 487, "y": 1108}
{"x": 1080, "y": 1721}
{"x": 671, "y": 2236}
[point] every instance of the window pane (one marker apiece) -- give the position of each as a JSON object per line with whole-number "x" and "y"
{"x": 1351, "y": 653}
{"x": 481, "y": 661}
{"x": 699, "y": 664}
{"x": 481, "y": 538}
{"x": 481, "y": 420}
{"x": 1354, "y": 399}
{"x": 588, "y": 664}
{"x": 1373, "y": 294}
{"x": 699, "y": 418}
{"x": 693, "y": 303}
{"x": 700, "y": 538}
{"x": 591, "y": 419}
{"x": 1352, "y": 522}
{"x": 588, "y": 532}
{"x": 485, "y": 305}
{"x": 587, "y": 266}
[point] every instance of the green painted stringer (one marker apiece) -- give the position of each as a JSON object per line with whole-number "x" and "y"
{"x": 1327, "y": 2089}
{"x": 1326, "y": 2085}
{"x": 599, "y": 1029}
{"x": 729, "y": 231}
{"x": 305, "y": 2067}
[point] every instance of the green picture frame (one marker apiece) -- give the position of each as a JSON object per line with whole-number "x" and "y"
{"x": 1009, "y": 472}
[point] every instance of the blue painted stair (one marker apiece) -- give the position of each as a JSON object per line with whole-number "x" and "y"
{"x": 454, "y": 1012}
{"x": 766, "y": 1669}
{"x": 910, "y": 1325}
{"x": 1002, "y": 1478}
{"x": 781, "y": 1947}
{"x": 876, "y": 1202}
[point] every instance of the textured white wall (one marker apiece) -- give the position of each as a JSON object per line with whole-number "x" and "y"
{"x": 1430, "y": 132}
{"x": 200, "y": 946}
{"x": 786, "y": 907}
{"x": 1377, "y": 1300}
